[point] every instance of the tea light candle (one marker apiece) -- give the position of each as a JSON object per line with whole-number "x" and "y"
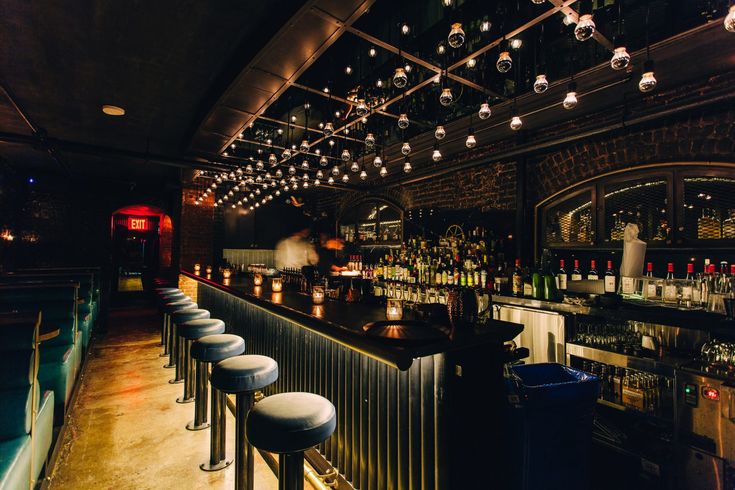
{"x": 226, "y": 281}
{"x": 393, "y": 309}
{"x": 317, "y": 294}
{"x": 277, "y": 284}
{"x": 258, "y": 279}
{"x": 197, "y": 269}
{"x": 317, "y": 311}
{"x": 257, "y": 290}
{"x": 208, "y": 269}
{"x": 226, "y": 273}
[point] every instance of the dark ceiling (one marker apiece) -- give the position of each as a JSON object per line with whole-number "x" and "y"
{"x": 164, "y": 62}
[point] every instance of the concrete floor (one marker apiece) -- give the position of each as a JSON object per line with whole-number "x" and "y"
{"x": 126, "y": 431}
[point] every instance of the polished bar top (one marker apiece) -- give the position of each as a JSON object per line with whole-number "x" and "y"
{"x": 343, "y": 322}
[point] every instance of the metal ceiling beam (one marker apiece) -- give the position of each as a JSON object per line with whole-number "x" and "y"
{"x": 415, "y": 59}
{"x": 300, "y": 126}
{"x": 557, "y": 8}
{"x": 278, "y": 147}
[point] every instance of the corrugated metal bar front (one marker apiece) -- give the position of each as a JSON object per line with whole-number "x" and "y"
{"x": 389, "y": 429}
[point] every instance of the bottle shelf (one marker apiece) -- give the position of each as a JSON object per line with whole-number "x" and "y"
{"x": 663, "y": 367}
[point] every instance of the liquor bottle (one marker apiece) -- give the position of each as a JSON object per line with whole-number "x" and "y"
{"x": 687, "y": 288}
{"x": 527, "y": 282}
{"x": 551, "y": 291}
{"x": 651, "y": 292}
{"x": 592, "y": 274}
{"x": 517, "y": 280}
{"x": 561, "y": 277}
{"x": 610, "y": 279}
{"x": 576, "y": 272}
{"x": 537, "y": 284}
{"x": 670, "y": 294}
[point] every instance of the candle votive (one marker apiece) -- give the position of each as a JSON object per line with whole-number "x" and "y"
{"x": 277, "y": 284}
{"x": 317, "y": 294}
{"x": 393, "y": 309}
{"x": 226, "y": 273}
{"x": 197, "y": 269}
{"x": 258, "y": 279}
{"x": 226, "y": 281}
{"x": 317, "y": 311}
{"x": 257, "y": 291}
{"x": 208, "y": 269}
{"x": 277, "y": 298}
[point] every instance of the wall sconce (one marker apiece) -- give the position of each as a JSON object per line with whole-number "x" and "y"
{"x": 277, "y": 284}
{"x": 317, "y": 295}
{"x": 258, "y": 279}
{"x": 393, "y": 309}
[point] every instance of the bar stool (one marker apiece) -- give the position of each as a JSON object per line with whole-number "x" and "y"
{"x": 211, "y": 350}
{"x": 166, "y": 295}
{"x": 189, "y": 332}
{"x": 178, "y": 317}
{"x": 170, "y": 346}
{"x": 173, "y": 300}
{"x": 289, "y": 424}
{"x": 243, "y": 376}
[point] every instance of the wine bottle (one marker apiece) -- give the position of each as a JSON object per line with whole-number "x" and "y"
{"x": 610, "y": 279}
{"x": 576, "y": 272}
{"x": 561, "y": 277}
{"x": 592, "y": 274}
{"x": 651, "y": 292}
{"x": 687, "y": 289}
{"x": 670, "y": 295}
{"x": 517, "y": 280}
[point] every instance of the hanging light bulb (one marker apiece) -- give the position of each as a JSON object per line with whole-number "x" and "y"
{"x": 436, "y": 155}
{"x": 456, "y": 36}
{"x": 447, "y": 3}
{"x": 291, "y": 170}
{"x": 346, "y": 155}
{"x": 377, "y": 161}
{"x": 405, "y": 29}
{"x": 570, "y": 101}
{"x": 648, "y": 81}
{"x": 471, "y": 63}
{"x": 403, "y": 121}
{"x": 585, "y": 28}
{"x": 319, "y": 174}
{"x": 370, "y": 140}
{"x": 407, "y": 166}
{"x": 361, "y": 108}
{"x": 484, "y": 111}
{"x": 305, "y": 177}
{"x": 446, "y": 97}
{"x": 355, "y": 166}
{"x": 441, "y": 49}
{"x": 272, "y": 159}
{"x": 286, "y": 154}
{"x": 516, "y": 123}
{"x": 379, "y": 83}
{"x": 335, "y": 170}
{"x": 348, "y": 70}
{"x": 400, "y": 78}
{"x": 305, "y": 185}
{"x": 485, "y": 25}
{"x": 304, "y": 146}
{"x": 259, "y": 165}
{"x": 504, "y": 63}
{"x": 439, "y": 132}
{"x": 538, "y": 2}
{"x": 372, "y": 52}
{"x": 383, "y": 171}
{"x": 330, "y": 180}
{"x": 541, "y": 84}
{"x": 305, "y": 164}
{"x": 470, "y": 142}
{"x": 729, "y": 22}
{"x": 345, "y": 177}
{"x": 406, "y": 148}
{"x": 279, "y": 173}
{"x": 620, "y": 58}
{"x": 317, "y": 182}
{"x": 363, "y": 174}
{"x": 516, "y": 43}
{"x": 248, "y": 168}
{"x": 328, "y": 129}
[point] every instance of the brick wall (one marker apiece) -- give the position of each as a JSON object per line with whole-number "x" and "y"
{"x": 189, "y": 287}
{"x": 197, "y": 229}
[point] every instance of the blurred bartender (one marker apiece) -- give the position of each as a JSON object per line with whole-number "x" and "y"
{"x": 331, "y": 257}
{"x": 296, "y": 252}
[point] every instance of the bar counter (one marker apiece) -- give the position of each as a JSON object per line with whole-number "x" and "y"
{"x": 409, "y": 416}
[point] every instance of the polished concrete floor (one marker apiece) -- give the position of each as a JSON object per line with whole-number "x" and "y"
{"x": 126, "y": 430}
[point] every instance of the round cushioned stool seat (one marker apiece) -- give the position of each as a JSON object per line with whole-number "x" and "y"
{"x": 171, "y": 308}
{"x": 201, "y": 327}
{"x": 188, "y": 314}
{"x": 168, "y": 297}
{"x": 164, "y": 290}
{"x": 242, "y": 374}
{"x": 290, "y": 422}
{"x": 214, "y": 348}
{"x": 171, "y": 303}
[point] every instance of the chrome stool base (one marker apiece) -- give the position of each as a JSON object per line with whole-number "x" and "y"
{"x": 216, "y": 467}
{"x": 175, "y": 381}
{"x": 192, "y": 426}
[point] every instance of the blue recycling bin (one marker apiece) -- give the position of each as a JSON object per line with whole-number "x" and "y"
{"x": 551, "y": 413}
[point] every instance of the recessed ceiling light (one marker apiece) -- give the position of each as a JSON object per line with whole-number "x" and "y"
{"x": 113, "y": 110}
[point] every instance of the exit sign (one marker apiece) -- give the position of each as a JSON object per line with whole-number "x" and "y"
{"x": 138, "y": 224}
